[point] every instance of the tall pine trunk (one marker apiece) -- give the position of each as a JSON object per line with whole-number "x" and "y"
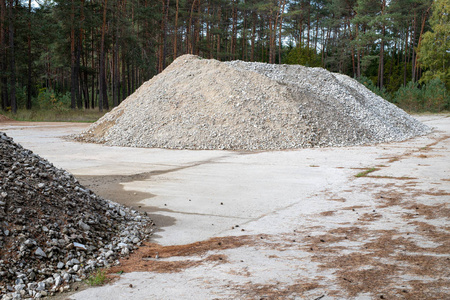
{"x": 189, "y": 42}
{"x": 424, "y": 18}
{"x": 28, "y": 105}
{"x": 252, "y": 53}
{"x": 309, "y": 25}
{"x": 234, "y": 30}
{"x": 115, "y": 61}
{"x": 93, "y": 87}
{"x": 166, "y": 17}
{"x": 3, "y": 58}
{"x": 406, "y": 56}
{"x": 73, "y": 75}
{"x": 124, "y": 82}
{"x": 175, "y": 35}
{"x": 271, "y": 37}
{"x": 413, "y": 51}
{"x": 381, "y": 61}
{"x": 358, "y": 54}
{"x": 281, "y": 27}
{"x": 77, "y": 71}
{"x": 12, "y": 61}
{"x": 103, "y": 99}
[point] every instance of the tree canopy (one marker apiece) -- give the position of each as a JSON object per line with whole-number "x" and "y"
{"x": 435, "y": 47}
{"x": 94, "y": 53}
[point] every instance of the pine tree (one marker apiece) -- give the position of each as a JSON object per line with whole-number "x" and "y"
{"x": 435, "y": 48}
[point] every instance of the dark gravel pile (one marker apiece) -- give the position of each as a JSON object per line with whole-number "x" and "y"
{"x": 53, "y": 231}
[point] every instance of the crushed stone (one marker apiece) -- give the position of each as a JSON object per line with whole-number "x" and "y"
{"x": 54, "y": 231}
{"x": 206, "y": 104}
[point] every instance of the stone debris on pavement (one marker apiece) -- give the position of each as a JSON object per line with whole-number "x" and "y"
{"x": 206, "y": 104}
{"x": 54, "y": 231}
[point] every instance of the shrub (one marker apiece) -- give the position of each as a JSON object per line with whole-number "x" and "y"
{"x": 435, "y": 96}
{"x": 21, "y": 96}
{"x": 303, "y": 56}
{"x": 432, "y": 96}
{"x": 409, "y": 97}
{"x": 49, "y": 99}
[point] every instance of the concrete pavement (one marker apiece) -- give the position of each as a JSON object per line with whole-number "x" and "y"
{"x": 307, "y": 227}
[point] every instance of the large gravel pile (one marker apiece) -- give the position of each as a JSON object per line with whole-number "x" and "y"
{"x": 53, "y": 231}
{"x": 206, "y": 104}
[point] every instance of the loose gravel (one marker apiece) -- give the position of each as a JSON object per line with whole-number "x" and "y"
{"x": 206, "y": 104}
{"x": 54, "y": 231}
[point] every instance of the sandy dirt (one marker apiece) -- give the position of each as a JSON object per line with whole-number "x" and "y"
{"x": 312, "y": 230}
{"x": 5, "y": 119}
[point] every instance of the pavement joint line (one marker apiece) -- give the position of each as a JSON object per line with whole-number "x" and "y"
{"x": 199, "y": 214}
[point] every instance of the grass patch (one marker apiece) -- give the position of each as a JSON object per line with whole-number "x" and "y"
{"x": 40, "y": 115}
{"x": 364, "y": 173}
{"x": 97, "y": 278}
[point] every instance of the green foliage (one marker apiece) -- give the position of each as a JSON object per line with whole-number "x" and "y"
{"x": 49, "y": 99}
{"x": 409, "y": 97}
{"x": 21, "y": 96}
{"x": 41, "y": 115}
{"x": 51, "y": 34}
{"x": 97, "y": 278}
{"x": 394, "y": 74}
{"x": 431, "y": 97}
{"x": 434, "y": 52}
{"x": 364, "y": 173}
{"x": 435, "y": 97}
{"x": 302, "y": 56}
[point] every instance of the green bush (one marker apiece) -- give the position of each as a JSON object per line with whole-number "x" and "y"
{"x": 50, "y": 100}
{"x": 409, "y": 97}
{"x": 431, "y": 97}
{"x": 435, "y": 96}
{"x": 21, "y": 96}
{"x": 303, "y": 56}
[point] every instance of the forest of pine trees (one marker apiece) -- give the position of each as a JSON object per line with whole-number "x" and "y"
{"x": 94, "y": 53}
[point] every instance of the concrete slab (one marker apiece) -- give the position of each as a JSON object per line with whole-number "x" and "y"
{"x": 300, "y": 214}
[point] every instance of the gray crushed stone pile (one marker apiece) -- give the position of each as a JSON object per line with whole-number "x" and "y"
{"x": 206, "y": 104}
{"x": 54, "y": 231}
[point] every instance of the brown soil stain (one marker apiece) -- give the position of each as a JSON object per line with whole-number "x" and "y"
{"x": 426, "y": 148}
{"x": 430, "y": 211}
{"x": 374, "y": 269}
{"x": 338, "y": 199}
{"x": 151, "y": 256}
{"x": 369, "y": 217}
{"x": 5, "y": 119}
{"x": 386, "y": 257}
{"x": 327, "y": 213}
{"x": 354, "y": 207}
